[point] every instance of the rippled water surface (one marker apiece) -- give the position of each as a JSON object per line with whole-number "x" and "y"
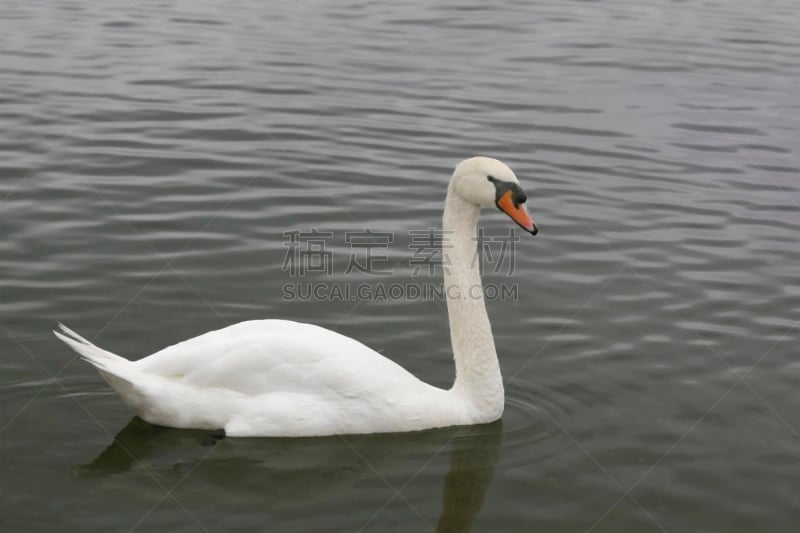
{"x": 155, "y": 153}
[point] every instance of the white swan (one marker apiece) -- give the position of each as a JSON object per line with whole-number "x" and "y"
{"x": 282, "y": 378}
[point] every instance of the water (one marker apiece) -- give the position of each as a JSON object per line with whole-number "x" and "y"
{"x": 154, "y": 154}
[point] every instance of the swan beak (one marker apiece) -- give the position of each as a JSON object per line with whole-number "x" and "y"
{"x": 517, "y": 211}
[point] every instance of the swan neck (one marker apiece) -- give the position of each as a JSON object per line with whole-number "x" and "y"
{"x": 478, "y": 376}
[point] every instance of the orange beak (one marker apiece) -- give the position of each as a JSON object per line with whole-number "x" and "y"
{"x": 518, "y": 213}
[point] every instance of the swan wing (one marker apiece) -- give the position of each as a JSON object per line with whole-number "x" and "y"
{"x": 269, "y": 356}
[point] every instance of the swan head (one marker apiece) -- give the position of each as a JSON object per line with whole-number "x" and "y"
{"x": 487, "y": 182}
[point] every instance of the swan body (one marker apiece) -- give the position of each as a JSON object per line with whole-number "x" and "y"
{"x": 277, "y": 378}
{"x": 284, "y": 378}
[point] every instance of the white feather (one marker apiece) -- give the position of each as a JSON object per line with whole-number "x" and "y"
{"x": 283, "y": 378}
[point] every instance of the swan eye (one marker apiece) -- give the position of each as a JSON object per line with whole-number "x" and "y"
{"x": 491, "y": 178}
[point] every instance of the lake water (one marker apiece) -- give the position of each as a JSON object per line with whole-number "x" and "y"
{"x": 157, "y": 156}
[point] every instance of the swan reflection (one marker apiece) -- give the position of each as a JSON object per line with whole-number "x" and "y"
{"x": 279, "y": 473}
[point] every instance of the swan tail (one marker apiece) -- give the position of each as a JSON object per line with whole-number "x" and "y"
{"x": 117, "y": 371}
{"x": 92, "y": 353}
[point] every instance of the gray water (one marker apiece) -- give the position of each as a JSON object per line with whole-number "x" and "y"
{"x": 155, "y": 153}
